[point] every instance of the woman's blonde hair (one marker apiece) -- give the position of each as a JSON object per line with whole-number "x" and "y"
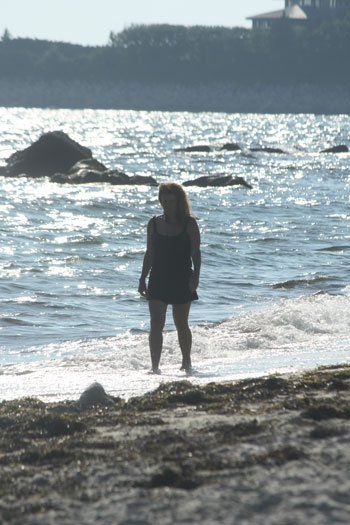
{"x": 183, "y": 205}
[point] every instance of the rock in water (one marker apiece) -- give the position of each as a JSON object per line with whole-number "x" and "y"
{"x": 336, "y": 149}
{"x": 53, "y": 152}
{"x": 88, "y": 164}
{"x": 200, "y": 148}
{"x": 57, "y": 156}
{"x": 267, "y": 150}
{"x": 114, "y": 177}
{"x": 215, "y": 180}
{"x": 231, "y": 146}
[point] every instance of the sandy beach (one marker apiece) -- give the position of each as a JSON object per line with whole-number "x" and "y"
{"x": 272, "y": 450}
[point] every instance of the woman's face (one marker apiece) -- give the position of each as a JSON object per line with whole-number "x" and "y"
{"x": 169, "y": 203}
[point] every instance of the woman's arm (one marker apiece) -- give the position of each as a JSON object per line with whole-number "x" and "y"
{"x": 195, "y": 238}
{"x": 147, "y": 261}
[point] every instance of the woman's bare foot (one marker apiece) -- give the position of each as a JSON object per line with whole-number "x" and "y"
{"x": 186, "y": 366}
{"x": 155, "y": 371}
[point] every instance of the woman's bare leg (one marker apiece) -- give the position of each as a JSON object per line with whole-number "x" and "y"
{"x": 157, "y": 310}
{"x": 180, "y": 315}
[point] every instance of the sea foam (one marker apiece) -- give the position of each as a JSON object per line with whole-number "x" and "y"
{"x": 285, "y": 337}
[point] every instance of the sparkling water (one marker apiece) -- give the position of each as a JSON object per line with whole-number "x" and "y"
{"x": 274, "y": 290}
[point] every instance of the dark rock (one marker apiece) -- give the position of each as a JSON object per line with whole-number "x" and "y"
{"x": 53, "y": 152}
{"x": 336, "y": 149}
{"x": 190, "y": 149}
{"x": 114, "y": 177}
{"x": 267, "y": 150}
{"x": 88, "y": 164}
{"x": 214, "y": 180}
{"x": 82, "y": 176}
{"x": 143, "y": 179}
{"x": 94, "y": 395}
{"x": 231, "y": 146}
{"x": 118, "y": 178}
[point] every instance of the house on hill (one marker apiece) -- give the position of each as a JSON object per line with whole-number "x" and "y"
{"x": 303, "y": 12}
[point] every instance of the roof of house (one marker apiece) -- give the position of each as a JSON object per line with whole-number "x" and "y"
{"x": 295, "y": 13}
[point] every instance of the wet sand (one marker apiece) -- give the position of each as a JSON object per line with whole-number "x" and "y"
{"x": 272, "y": 450}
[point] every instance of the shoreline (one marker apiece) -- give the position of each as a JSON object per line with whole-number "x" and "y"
{"x": 220, "y": 97}
{"x": 271, "y": 450}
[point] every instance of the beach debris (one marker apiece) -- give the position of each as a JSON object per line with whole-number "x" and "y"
{"x": 175, "y": 477}
{"x": 276, "y": 383}
{"x": 245, "y": 441}
{"x": 323, "y": 411}
{"x": 324, "y": 431}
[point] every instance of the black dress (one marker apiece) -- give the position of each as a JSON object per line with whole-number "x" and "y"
{"x": 171, "y": 267}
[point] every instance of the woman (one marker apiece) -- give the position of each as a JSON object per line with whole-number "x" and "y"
{"x": 173, "y": 244}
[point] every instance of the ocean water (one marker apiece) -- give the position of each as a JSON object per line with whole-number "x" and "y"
{"x": 274, "y": 293}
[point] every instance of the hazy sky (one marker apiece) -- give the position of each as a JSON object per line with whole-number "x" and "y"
{"x": 89, "y": 22}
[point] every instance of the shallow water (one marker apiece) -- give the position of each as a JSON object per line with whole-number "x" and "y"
{"x": 274, "y": 291}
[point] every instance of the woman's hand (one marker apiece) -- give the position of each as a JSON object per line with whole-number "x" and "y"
{"x": 193, "y": 282}
{"x": 142, "y": 287}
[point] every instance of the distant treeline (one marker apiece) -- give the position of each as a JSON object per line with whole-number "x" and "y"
{"x": 166, "y": 53}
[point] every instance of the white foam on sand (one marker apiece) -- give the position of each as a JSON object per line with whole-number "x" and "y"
{"x": 291, "y": 336}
